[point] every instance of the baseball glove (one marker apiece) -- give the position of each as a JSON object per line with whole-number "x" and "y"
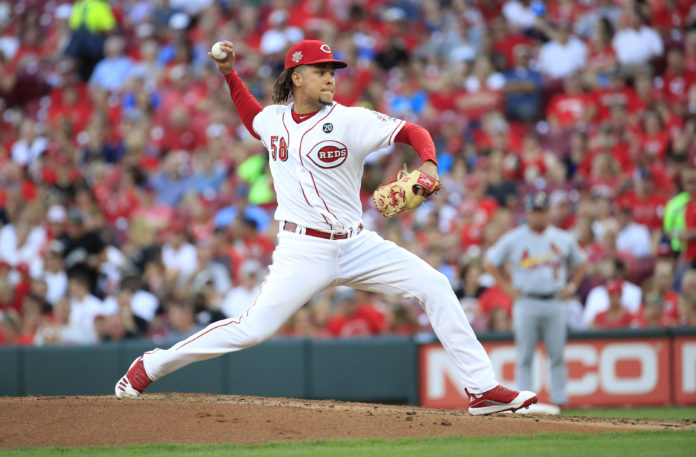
{"x": 402, "y": 195}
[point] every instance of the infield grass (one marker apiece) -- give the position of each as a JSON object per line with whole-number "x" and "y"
{"x": 635, "y": 444}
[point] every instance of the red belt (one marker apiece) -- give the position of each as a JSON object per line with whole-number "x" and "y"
{"x": 292, "y": 227}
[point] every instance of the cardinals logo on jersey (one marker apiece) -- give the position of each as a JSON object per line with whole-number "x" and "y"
{"x": 328, "y": 154}
{"x": 551, "y": 259}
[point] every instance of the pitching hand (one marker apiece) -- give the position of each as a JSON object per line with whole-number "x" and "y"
{"x": 225, "y": 66}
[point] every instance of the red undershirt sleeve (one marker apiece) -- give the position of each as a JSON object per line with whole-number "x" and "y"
{"x": 244, "y": 102}
{"x": 419, "y": 139}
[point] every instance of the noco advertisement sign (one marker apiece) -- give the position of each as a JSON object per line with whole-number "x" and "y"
{"x": 601, "y": 372}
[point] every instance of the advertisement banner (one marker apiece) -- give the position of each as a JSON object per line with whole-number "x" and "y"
{"x": 685, "y": 370}
{"x": 601, "y": 372}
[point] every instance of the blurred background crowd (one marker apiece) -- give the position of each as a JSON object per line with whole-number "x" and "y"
{"x": 134, "y": 204}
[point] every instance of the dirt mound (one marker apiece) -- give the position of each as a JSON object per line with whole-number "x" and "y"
{"x": 195, "y": 418}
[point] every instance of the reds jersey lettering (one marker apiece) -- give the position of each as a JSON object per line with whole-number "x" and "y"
{"x": 317, "y": 180}
{"x": 328, "y": 154}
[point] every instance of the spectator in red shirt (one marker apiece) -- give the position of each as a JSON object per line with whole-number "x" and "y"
{"x": 653, "y": 137}
{"x": 10, "y": 328}
{"x": 74, "y": 106}
{"x": 676, "y": 80}
{"x": 7, "y": 290}
{"x": 401, "y": 320}
{"x": 356, "y": 315}
{"x": 660, "y": 287}
{"x": 610, "y": 141}
{"x": 643, "y": 84}
{"x": 690, "y": 50}
{"x": 507, "y": 40}
{"x": 688, "y": 237}
{"x": 687, "y": 300}
{"x": 117, "y": 198}
{"x": 663, "y": 183}
{"x": 499, "y": 321}
{"x": 480, "y": 207}
{"x": 571, "y": 107}
{"x": 652, "y": 312}
{"x": 562, "y": 212}
{"x": 302, "y": 324}
{"x": 33, "y": 308}
{"x": 687, "y": 311}
{"x": 178, "y": 133}
{"x": 593, "y": 249}
{"x": 492, "y": 299}
{"x": 646, "y": 202}
{"x": 604, "y": 175}
{"x": 601, "y": 58}
{"x": 616, "y": 317}
{"x": 616, "y": 93}
{"x": 537, "y": 162}
{"x": 669, "y": 16}
{"x": 484, "y": 90}
{"x": 256, "y": 244}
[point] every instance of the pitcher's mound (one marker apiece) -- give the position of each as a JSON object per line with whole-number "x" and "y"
{"x": 196, "y": 418}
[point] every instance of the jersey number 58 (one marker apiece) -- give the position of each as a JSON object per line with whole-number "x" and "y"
{"x": 280, "y": 149}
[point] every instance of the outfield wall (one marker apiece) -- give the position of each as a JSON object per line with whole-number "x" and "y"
{"x": 374, "y": 369}
{"x": 651, "y": 367}
{"x": 604, "y": 369}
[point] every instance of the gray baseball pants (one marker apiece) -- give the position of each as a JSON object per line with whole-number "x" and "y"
{"x": 541, "y": 320}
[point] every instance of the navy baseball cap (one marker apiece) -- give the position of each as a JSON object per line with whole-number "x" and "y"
{"x": 536, "y": 201}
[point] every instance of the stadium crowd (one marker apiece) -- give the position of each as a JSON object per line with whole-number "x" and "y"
{"x": 134, "y": 204}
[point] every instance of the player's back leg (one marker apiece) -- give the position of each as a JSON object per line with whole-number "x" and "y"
{"x": 302, "y": 266}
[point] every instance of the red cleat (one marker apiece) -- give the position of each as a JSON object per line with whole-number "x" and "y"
{"x": 499, "y": 399}
{"x": 134, "y": 382}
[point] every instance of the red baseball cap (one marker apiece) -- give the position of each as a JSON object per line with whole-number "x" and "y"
{"x": 307, "y": 52}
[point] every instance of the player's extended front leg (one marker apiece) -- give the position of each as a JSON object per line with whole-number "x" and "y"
{"x": 381, "y": 266}
{"x": 298, "y": 272}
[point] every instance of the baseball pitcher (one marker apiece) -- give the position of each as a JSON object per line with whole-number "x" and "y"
{"x": 316, "y": 150}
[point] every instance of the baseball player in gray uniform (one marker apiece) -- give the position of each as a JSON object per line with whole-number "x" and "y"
{"x": 539, "y": 257}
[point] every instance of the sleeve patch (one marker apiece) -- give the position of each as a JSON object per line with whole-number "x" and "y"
{"x": 383, "y": 117}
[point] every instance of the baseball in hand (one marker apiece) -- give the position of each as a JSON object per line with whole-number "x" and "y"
{"x": 218, "y": 53}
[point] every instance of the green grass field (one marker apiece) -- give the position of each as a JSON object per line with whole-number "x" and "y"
{"x": 635, "y": 444}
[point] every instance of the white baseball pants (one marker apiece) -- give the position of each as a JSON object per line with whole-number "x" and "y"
{"x": 304, "y": 266}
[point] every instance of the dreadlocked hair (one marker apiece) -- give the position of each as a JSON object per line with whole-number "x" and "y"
{"x": 282, "y": 88}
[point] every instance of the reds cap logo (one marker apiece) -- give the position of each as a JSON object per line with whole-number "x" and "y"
{"x": 328, "y": 154}
{"x": 325, "y": 48}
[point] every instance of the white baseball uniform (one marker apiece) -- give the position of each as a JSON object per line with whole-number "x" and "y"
{"x": 317, "y": 166}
